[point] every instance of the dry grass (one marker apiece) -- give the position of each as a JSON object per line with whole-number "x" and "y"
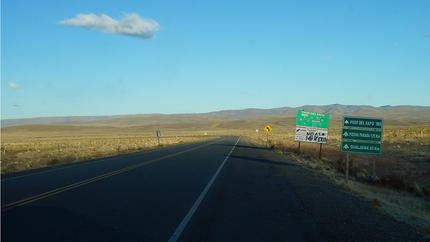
{"x": 413, "y": 210}
{"x": 36, "y": 147}
{"x": 403, "y": 168}
{"x": 402, "y": 188}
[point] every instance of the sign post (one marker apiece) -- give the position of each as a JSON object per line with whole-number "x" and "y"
{"x": 158, "y": 133}
{"x": 361, "y": 135}
{"x": 311, "y": 127}
{"x": 268, "y": 129}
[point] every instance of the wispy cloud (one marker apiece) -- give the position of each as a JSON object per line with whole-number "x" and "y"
{"x": 427, "y": 35}
{"x": 13, "y": 85}
{"x": 327, "y": 57}
{"x": 130, "y": 24}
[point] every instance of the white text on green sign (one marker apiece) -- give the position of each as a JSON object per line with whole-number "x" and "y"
{"x": 359, "y": 122}
{"x": 358, "y": 134}
{"x": 311, "y": 119}
{"x": 358, "y": 147}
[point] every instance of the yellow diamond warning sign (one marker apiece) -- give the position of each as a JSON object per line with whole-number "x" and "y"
{"x": 268, "y": 129}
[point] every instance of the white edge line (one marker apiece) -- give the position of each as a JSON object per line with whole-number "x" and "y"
{"x": 175, "y": 236}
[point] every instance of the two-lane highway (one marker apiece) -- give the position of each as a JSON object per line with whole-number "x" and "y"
{"x": 225, "y": 189}
{"x": 138, "y": 197}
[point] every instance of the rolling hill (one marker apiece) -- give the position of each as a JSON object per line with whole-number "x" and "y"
{"x": 416, "y": 114}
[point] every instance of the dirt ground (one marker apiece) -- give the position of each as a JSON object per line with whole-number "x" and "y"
{"x": 404, "y": 163}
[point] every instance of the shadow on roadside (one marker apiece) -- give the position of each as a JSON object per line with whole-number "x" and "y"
{"x": 264, "y": 161}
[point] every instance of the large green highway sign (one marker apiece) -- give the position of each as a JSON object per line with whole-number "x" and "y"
{"x": 359, "y": 147}
{"x": 311, "y": 127}
{"x": 359, "y": 122}
{"x": 364, "y": 135}
{"x": 311, "y": 119}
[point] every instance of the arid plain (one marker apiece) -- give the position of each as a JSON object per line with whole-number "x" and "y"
{"x": 402, "y": 188}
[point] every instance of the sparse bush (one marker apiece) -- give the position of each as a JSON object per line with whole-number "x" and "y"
{"x": 10, "y": 168}
{"x": 375, "y": 202}
{"x": 68, "y": 159}
{"x": 54, "y": 162}
{"x": 340, "y": 164}
{"x": 418, "y": 190}
{"x": 399, "y": 183}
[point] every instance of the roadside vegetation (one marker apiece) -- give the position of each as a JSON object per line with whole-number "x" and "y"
{"x": 402, "y": 184}
{"x": 401, "y": 188}
{"x": 40, "y": 148}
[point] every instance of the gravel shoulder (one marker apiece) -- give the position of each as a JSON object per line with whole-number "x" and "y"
{"x": 261, "y": 195}
{"x": 340, "y": 215}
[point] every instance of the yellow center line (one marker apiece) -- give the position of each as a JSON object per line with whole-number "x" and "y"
{"x": 91, "y": 180}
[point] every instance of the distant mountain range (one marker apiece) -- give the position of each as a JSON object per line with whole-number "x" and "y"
{"x": 336, "y": 110}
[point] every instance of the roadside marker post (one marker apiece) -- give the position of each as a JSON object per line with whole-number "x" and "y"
{"x": 268, "y": 129}
{"x": 158, "y": 133}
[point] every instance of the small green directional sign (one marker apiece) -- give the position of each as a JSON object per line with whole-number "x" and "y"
{"x": 363, "y": 135}
{"x": 358, "y": 122}
{"x": 359, "y": 147}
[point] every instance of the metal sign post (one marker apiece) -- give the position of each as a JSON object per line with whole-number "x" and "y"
{"x": 268, "y": 129}
{"x": 158, "y": 133}
{"x": 347, "y": 166}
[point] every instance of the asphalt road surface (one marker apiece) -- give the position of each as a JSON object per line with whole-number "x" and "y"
{"x": 224, "y": 189}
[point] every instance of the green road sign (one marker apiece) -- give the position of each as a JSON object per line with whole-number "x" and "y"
{"x": 311, "y": 119}
{"x": 358, "y": 122}
{"x": 358, "y": 147}
{"x": 361, "y": 135}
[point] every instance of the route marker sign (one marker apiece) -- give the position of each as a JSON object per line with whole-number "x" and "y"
{"x": 359, "y": 122}
{"x": 360, "y": 147}
{"x": 362, "y": 135}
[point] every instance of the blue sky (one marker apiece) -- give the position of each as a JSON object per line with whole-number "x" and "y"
{"x": 85, "y": 58}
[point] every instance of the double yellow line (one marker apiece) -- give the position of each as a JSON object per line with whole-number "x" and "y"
{"x": 91, "y": 180}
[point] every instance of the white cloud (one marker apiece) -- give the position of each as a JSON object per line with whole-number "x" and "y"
{"x": 131, "y": 24}
{"x": 13, "y": 85}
